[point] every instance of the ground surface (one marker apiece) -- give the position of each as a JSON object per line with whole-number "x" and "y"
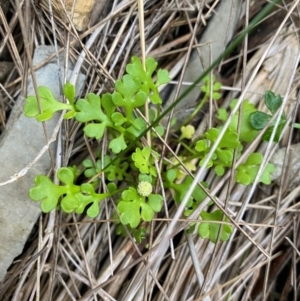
{"x": 70, "y": 257}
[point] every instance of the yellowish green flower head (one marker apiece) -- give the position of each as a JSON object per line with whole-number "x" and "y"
{"x": 144, "y": 188}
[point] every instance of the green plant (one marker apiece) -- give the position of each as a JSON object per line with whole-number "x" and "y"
{"x": 116, "y": 171}
{"x": 223, "y": 156}
{"x": 136, "y": 205}
{"x": 114, "y": 115}
{"x": 259, "y": 120}
{"x": 247, "y": 133}
{"x": 210, "y": 88}
{"x": 73, "y": 197}
{"x": 144, "y": 161}
{"x": 49, "y": 105}
{"x": 211, "y": 229}
{"x": 247, "y": 171}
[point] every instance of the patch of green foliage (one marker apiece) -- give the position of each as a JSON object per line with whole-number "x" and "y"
{"x": 210, "y": 229}
{"x": 113, "y": 114}
{"x": 134, "y": 207}
{"x": 223, "y": 156}
{"x": 247, "y": 171}
{"x": 72, "y": 197}
{"x": 259, "y": 120}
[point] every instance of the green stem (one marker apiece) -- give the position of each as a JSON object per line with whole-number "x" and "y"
{"x": 198, "y": 108}
{"x": 296, "y": 125}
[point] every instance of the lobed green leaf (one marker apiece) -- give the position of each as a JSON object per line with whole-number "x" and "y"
{"x": 272, "y": 101}
{"x": 70, "y": 92}
{"x": 89, "y": 109}
{"x": 259, "y": 120}
{"x": 210, "y": 230}
{"x": 247, "y": 132}
{"x": 246, "y": 172}
{"x": 155, "y": 202}
{"x": 49, "y": 193}
{"x": 133, "y": 208}
{"x": 49, "y": 105}
{"x": 117, "y": 144}
{"x": 136, "y": 70}
{"x": 143, "y": 160}
{"x": 128, "y": 94}
{"x": 45, "y": 192}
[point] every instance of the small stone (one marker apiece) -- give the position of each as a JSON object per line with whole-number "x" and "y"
{"x": 293, "y": 166}
{"x": 82, "y": 11}
{"x": 20, "y": 143}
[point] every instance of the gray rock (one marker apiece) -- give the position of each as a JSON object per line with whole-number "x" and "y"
{"x": 20, "y": 143}
{"x": 278, "y": 159}
{"x": 214, "y": 40}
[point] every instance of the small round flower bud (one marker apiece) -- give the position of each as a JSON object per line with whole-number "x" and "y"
{"x": 144, "y": 188}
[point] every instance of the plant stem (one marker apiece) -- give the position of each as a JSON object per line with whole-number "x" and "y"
{"x": 143, "y": 50}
